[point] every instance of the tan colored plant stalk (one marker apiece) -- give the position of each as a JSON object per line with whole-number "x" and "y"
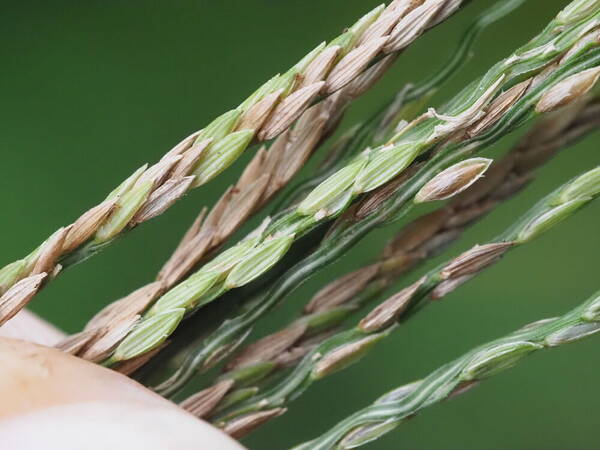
{"x": 421, "y": 239}
{"x": 373, "y": 41}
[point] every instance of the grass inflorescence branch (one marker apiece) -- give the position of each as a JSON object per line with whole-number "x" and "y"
{"x": 404, "y": 107}
{"x": 426, "y": 236}
{"x": 266, "y": 174}
{"x": 401, "y": 157}
{"x": 565, "y": 53}
{"x": 346, "y": 347}
{"x": 355, "y": 59}
{"x": 458, "y": 376}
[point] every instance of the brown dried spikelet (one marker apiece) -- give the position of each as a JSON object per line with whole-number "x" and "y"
{"x": 129, "y": 306}
{"x": 162, "y": 199}
{"x": 101, "y": 346}
{"x": 202, "y": 403}
{"x": 241, "y": 426}
{"x": 388, "y": 312}
{"x": 498, "y": 107}
{"x": 387, "y": 20}
{"x": 568, "y": 90}
{"x": 51, "y": 251}
{"x": 412, "y": 24}
{"x": 343, "y": 356}
{"x": 288, "y": 110}
{"x": 475, "y": 259}
{"x": 453, "y": 180}
{"x": 157, "y": 173}
{"x": 341, "y": 290}
{"x": 189, "y": 159}
{"x": 15, "y": 298}
{"x": 259, "y": 112}
{"x": 319, "y": 67}
{"x": 447, "y": 286}
{"x": 496, "y": 175}
{"x": 269, "y": 347}
{"x": 86, "y": 225}
{"x": 353, "y": 64}
{"x": 374, "y": 199}
{"x": 131, "y": 365}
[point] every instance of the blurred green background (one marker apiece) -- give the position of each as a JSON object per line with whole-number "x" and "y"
{"x": 92, "y": 89}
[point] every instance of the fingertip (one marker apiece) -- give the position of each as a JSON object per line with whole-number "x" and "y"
{"x": 29, "y": 327}
{"x": 52, "y": 400}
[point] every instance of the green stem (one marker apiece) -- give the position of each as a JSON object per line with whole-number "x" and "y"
{"x": 396, "y": 206}
{"x": 252, "y": 257}
{"x": 548, "y": 212}
{"x": 407, "y": 249}
{"x": 399, "y": 405}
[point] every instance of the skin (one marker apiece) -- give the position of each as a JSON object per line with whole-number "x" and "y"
{"x": 52, "y": 401}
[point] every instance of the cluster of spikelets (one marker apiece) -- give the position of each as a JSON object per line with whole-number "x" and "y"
{"x": 402, "y": 156}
